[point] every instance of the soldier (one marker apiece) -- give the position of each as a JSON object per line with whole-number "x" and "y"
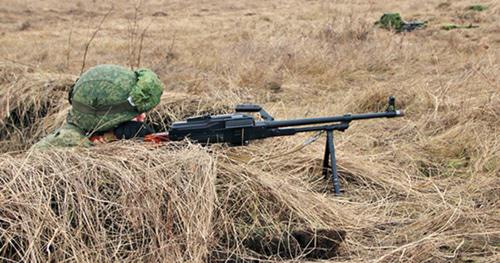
{"x": 393, "y": 21}
{"x": 108, "y": 102}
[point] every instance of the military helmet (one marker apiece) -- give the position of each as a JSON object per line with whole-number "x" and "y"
{"x": 108, "y": 95}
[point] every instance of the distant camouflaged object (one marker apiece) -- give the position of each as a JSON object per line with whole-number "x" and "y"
{"x": 102, "y": 98}
{"x": 478, "y": 8}
{"x": 393, "y": 21}
{"x": 455, "y": 26}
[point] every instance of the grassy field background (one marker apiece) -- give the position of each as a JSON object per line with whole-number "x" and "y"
{"x": 423, "y": 188}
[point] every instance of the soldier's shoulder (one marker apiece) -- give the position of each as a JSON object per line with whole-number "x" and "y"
{"x": 67, "y": 136}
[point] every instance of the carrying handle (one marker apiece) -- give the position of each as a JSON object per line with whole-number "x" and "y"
{"x": 254, "y": 108}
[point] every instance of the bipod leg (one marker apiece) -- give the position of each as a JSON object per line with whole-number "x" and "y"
{"x": 326, "y": 167}
{"x": 331, "y": 148}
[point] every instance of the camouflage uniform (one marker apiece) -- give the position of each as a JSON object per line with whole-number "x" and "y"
{"x": 102, "y": 98}
{"x": 67, "y": 136}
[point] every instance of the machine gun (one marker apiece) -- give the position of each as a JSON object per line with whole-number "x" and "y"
{"x": 239, "y": 129}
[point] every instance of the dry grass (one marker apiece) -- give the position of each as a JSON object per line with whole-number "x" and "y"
{"x": 420, "y": 188}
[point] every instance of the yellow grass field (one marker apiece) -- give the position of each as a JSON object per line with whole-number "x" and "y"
{"x": 422, "y": 188}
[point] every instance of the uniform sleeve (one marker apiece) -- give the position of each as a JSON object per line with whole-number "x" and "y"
{"x": 67, "y": 136}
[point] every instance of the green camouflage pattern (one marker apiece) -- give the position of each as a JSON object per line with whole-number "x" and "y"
{"x": 454, "y": 26}
{"x": 391, "y": 21}
{"x": 147, "y": 91}
{"x": 67, "y": 136}
{"x": 102, "y": 86}
{"x": 107, "y": 85}
{"x": 478, "y": 8}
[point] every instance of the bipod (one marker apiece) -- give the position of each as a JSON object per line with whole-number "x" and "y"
{"x": 330, "y": 155}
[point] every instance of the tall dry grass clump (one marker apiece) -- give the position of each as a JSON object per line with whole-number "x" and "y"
{"x": 27, "y": 96}
{"x": 131, "y": 201}
{"x": 101, "y": 206}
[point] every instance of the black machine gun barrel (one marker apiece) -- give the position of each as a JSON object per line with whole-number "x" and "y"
{"x": 343, "y": 118}
{"x": 240, "y": 129}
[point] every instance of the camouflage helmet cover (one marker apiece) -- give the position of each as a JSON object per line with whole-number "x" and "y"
{"x": 391, "y": 21}
{"x": 108, "y": 95}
